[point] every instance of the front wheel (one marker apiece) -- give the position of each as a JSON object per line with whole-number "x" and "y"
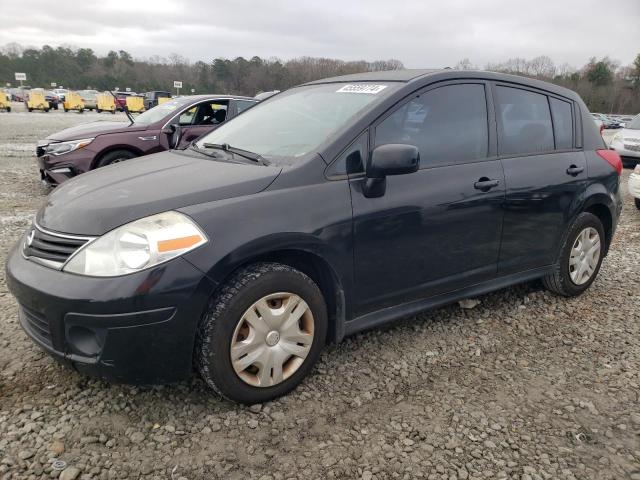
{"x": 115, "y": 156}
{"x": 580, "y": 257}
{"x": 637, "y": 202}
{"x": 262, "y": 333}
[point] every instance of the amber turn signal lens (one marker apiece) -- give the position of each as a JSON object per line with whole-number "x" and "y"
{"x": 178, "y": 243}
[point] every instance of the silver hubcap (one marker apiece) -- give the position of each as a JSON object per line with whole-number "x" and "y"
{"x": 272, "y": 339}
{"x": 585, "y": 255}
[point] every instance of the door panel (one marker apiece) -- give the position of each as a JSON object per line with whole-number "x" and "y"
{"x": 438, "y": 229}
{"x": 543, "y": 185}
{"x": 541, "y": 198}
{"x": 431, "y": 232}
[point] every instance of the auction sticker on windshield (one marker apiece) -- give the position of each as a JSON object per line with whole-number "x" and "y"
{"x": 362, "y": 88}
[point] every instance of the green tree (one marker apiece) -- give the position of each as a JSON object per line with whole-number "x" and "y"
{"x": 600, "y": 73}
{"x": 635, "y": 74}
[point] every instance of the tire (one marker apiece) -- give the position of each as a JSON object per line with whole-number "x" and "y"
{"x": 223, "y": 321}
{"x": 66, "y": 110}
{"x": 46, "y": 110}
{"x": 560, "y": 281}
{"x": 8, "y": 109}
{"x": 30, "y": 109}
{"x": 636, "y": 200}
{"x": 116, "y": 156}
{"x": 98, "y": 110}
{"x": 113, "y": 112}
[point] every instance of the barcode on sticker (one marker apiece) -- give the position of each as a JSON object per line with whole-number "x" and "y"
{"x": 362, "y": 88}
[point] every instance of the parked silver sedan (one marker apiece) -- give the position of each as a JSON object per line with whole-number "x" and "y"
{"x": 627, "y": 142}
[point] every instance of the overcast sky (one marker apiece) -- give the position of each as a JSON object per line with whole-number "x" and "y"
{"x": 420, "y": 33}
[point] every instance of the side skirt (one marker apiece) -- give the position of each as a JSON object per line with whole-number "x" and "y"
{"x": 386, "y": 315}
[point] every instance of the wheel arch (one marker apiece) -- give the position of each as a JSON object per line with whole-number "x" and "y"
{"x": 312, "y": 264}
{"x": 113, "y": 148}
{"x": 601, "y": 205}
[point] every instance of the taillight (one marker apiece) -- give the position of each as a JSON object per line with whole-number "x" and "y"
{"x": 613, "y": 158}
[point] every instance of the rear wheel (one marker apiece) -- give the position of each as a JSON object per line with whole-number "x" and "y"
{"x": 262, "y": 333}
{"x": 637, "y": 201}
{"x": 98, "y": 110}
{"x": 115, "y": 156}
{"x": 580, "y": 257}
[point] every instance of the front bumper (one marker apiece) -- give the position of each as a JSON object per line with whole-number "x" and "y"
{"x": 634, "y": 185}
{"x": 57, "y": 169}
{"x": 138, "y": 328}
{"x": 629, "y": 152}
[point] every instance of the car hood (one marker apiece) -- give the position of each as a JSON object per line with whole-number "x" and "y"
{"x": 101, "y": 200}
{"x": 93, "y": 129}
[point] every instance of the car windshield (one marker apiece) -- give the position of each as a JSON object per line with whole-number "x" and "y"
{"x": 296, "y": 122}
{"x": 634, "y": 124}
{"x": 156, "y": 114}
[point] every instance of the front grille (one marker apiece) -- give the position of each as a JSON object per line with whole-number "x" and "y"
{"x": 37, "y": 324}
{"x": 51, "y": 248}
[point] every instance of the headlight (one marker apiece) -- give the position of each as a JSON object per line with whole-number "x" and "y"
{"x": 138, "y": 245}
{"x": 66, "y": 147}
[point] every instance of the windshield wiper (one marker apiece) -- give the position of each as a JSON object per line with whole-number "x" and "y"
{"x": 255, "y": 157}
{"x": 195, "y": 148}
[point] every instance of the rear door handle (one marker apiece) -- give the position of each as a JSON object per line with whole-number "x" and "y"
{"x": 574, "y": 170}
{"x": 485, "y": 184}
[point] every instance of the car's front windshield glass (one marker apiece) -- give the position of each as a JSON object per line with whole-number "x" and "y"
{"x": 159, "y": 112}
{"x": 634, "y": 124}
{"x": 296, "y": 122}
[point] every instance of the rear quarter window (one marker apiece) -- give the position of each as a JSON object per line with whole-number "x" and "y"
{"x": 524, "y": 122}
{"x": 562, "y": 123}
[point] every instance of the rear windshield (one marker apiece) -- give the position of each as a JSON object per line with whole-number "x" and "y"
{"x": 294, "y": 123}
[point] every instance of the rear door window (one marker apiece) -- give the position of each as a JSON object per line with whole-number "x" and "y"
{"x": 524, "y": 122}
{"x": 447, "y": 124}
{"x": 562, "y": 123}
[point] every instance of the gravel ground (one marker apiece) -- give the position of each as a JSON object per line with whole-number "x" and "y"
{"x": 525, "y": 385}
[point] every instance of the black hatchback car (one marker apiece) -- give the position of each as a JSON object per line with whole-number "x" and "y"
{"x": 330, "y": 208}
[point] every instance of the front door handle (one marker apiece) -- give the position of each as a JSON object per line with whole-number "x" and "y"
{"x": 485, "y": 184}
{"x": 573, "y": 170}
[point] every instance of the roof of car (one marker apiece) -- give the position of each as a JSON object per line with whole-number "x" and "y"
{"x": 221, "y": 96}
{"x": 382, "y": 76}
{"x": 409, "y": 76}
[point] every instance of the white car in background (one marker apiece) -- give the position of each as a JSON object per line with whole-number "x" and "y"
{"x": 627, "y": 142}
{"x": 634, "y": 185}
{"x": 60, "y": 92}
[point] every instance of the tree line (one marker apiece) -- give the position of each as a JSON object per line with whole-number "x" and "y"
{"x": 605, "y": 85}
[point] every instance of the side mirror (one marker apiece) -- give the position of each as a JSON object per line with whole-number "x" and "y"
{"x": 390, "y": 159}
{"x": 174, "y": 132}
{"x": 168, "y": 129}
{"x": 177, "y": 136}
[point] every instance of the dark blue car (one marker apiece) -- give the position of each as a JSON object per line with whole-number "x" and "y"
{"x": 330, "y": 208}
